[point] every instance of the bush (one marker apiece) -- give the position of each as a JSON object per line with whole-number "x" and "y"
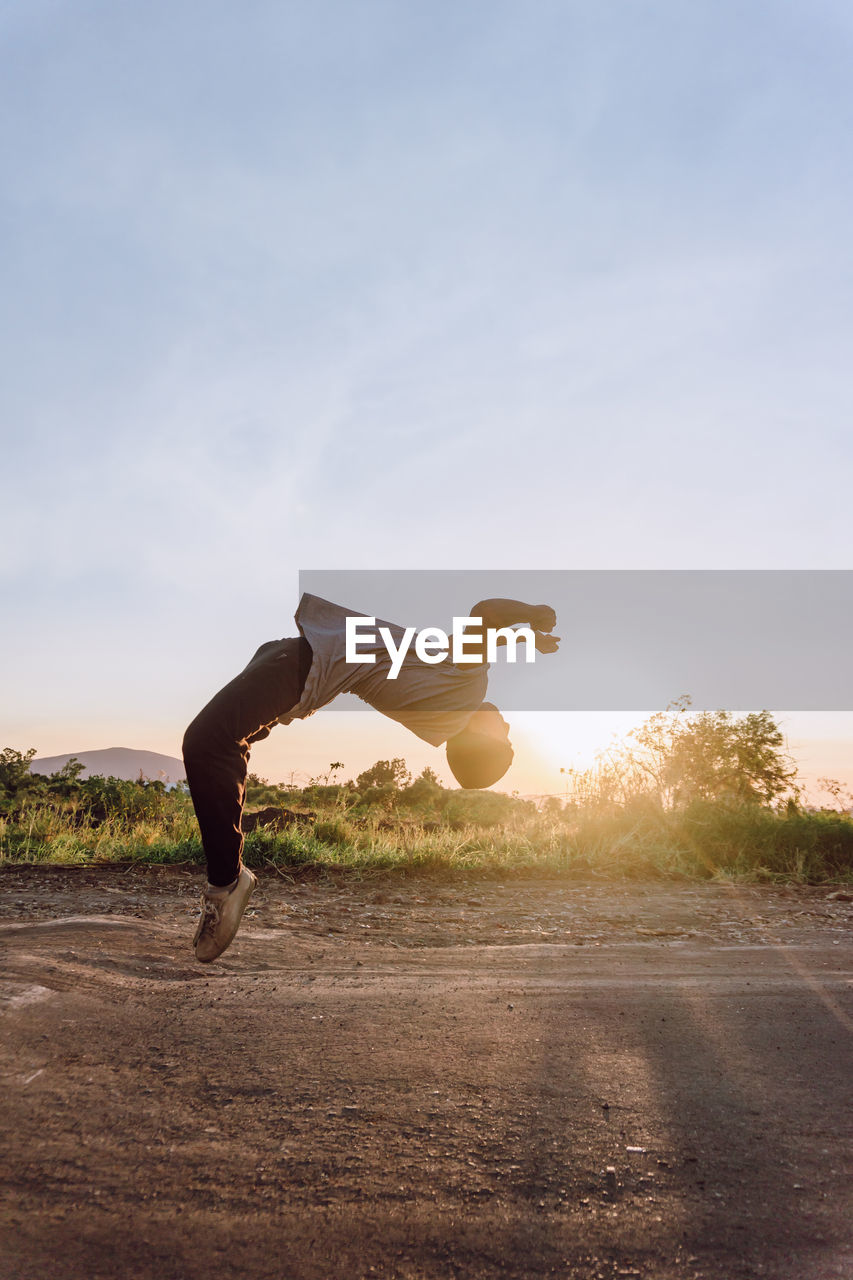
{"x": 333, "y": 831}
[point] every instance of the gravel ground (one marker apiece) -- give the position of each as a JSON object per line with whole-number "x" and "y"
{"x": 420, "y": 1077}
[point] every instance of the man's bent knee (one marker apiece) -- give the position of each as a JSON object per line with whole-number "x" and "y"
{"x": 203, "y": 739}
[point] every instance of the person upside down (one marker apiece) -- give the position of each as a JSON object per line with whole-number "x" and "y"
{"x": 288, "y": 680}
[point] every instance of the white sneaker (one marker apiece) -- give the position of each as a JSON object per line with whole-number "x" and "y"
{"x": 221, "y": 912}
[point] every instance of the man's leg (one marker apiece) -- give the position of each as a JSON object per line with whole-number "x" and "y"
{"x": 216, "y": 746}
{"x": 216, "y": 754}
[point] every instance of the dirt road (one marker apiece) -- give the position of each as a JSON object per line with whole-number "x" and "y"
{"x": 413, "y": 1079}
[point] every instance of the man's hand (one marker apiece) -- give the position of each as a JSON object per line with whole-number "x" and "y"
{"x": 542, "y": 618}
{"x": 547, "y": 643}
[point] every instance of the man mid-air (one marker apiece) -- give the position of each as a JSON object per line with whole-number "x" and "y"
{"x": 289, "y": 679}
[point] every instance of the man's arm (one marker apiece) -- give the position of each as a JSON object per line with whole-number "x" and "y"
{"x": 512, "y": 613}
{"x": 498, "y": 613}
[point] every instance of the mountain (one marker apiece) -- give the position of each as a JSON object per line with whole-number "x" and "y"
{"x": 117, "y": 762}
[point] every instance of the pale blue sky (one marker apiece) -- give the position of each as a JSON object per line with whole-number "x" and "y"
{"x": 382, "y": 285}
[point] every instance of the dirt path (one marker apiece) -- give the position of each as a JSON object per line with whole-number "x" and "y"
{"x": 415, "y": 1079}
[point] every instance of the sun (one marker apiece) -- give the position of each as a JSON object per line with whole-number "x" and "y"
{"x": 555, "y": 741}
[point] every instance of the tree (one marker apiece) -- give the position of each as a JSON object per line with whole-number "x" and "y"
{"x": 15, "y": 772}
{"x": 425, "y": 789}
{"x": 715, "y": 755}
{"x": 385, "y": 773}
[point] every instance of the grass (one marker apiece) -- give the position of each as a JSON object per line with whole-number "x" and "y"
{"x": 706, "y": 840}
{"x": 631, "y": 815}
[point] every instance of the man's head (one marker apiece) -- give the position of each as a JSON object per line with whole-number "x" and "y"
{"x": 480, "y": 754}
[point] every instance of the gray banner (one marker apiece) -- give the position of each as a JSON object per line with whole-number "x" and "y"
{"x": 633, "y": 640}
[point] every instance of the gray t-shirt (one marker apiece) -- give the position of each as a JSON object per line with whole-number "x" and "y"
{"x": 434, "y": 701}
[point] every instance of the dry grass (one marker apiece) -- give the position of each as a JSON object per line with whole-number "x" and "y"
{"x": 636, "y": 839}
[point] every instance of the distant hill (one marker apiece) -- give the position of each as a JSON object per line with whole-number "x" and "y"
{"x": 117, "y": 762}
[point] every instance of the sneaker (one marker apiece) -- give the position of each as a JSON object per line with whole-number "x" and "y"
{"x": 221, "y": 912}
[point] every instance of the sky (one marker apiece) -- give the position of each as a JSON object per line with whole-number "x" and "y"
{"x": 361, "y": 284}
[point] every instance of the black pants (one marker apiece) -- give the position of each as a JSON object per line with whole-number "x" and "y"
{"x": 216, "y": 746}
